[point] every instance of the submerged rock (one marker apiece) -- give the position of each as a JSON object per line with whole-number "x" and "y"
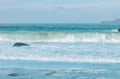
{"x": 20, "y": 44}
{"x": 13, "y": 74}
{"x": 50, "y": 73}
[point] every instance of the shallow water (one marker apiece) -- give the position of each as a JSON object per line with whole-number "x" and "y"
{"x": 19, "y": 69}
{"x": 87, "y": 51}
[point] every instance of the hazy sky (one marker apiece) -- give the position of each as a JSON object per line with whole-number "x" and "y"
{"x": 58, "y": 11}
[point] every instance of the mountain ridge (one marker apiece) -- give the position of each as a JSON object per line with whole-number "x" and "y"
{"x": 116, "y": 21}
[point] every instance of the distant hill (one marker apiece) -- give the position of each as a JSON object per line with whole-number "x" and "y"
{"x": 116, "y": 21}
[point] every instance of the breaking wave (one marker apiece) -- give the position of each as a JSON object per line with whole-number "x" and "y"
{"x": 61, "y": 37}
{"x": 63, "y": 58}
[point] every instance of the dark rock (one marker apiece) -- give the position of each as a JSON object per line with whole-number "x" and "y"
{"x": 13, "y": 74}
{"x": 20, "y": 44}
{"x": 119, "y": 30}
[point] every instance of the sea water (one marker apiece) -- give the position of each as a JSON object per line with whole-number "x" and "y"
{"x": 72, "y": 51}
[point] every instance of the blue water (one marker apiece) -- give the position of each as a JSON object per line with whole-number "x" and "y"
{"x": 71, "y": 27}
{"x": 90, "y": 51}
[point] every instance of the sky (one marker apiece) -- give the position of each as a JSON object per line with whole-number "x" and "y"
{"x": 58, "y": 11}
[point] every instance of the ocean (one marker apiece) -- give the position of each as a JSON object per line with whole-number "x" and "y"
{"x": 60, "y": 51}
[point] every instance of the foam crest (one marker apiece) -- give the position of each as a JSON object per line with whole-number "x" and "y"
{"x": 62, "y": 59}
{"x": 62, "y": 37}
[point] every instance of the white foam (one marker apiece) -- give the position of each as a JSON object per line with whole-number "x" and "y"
{"x": 63, "y": 59}
{"x": 115, "y": 30}
{"x": 63, "y": 37}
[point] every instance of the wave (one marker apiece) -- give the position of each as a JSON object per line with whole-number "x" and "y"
{"x": 61, "y": 59}
{"x": 61, "y": 37}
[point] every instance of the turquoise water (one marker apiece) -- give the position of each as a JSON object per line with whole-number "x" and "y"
{"x": 87, "y": 51}
{"x": 71, "y": 27}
